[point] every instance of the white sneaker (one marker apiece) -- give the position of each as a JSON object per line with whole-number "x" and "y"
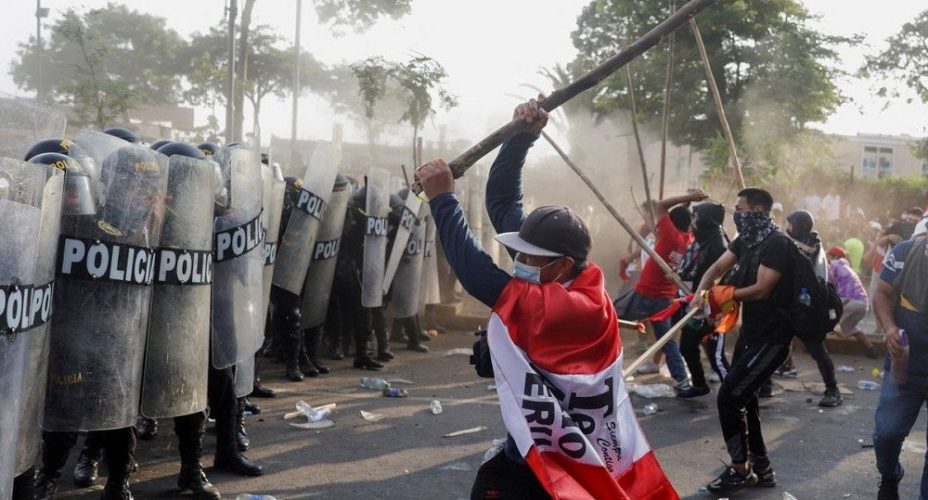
{"x": 683, "y": 385}
{"x": 647, "y": 368}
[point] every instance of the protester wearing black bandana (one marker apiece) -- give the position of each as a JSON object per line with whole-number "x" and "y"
{"x": 763, "y": 284}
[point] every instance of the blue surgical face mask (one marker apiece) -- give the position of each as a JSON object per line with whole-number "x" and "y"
{"x": 523, "y": 271}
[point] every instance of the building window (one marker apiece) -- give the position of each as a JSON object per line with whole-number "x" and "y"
{"x": 877, "y": 161}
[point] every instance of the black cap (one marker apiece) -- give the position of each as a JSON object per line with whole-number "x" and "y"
{"x": 551, "y": 232}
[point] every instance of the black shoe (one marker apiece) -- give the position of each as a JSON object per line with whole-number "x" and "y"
{"x": 307, "y": 367}
{"x": 293, "y": 370}
{"x": 766, "y": 392}
{"x": 259, "y": 391}
{"x": 766, "y": 478}
{"x": 46, "y": 486}
{"x": 336, "y": 352}
{"x": 194, "y": 479}
{"x": 85, "y": 470}
{"x": 730, "y": 481}
{"x": 415, "y": 346}
{"x": 889, "y": 489}
{"x": 424, "y": 337}
{"x": 252, "y": 408}
{"x": 693, "y": 392}
{"x": 147, "y": 428}
{"x": 385, "y": 355}
{"x": 117, "y": 489}
{"x": 324, "y": 370}
{"x": 236, "y": 463}
{"x": 366, "y": 363}
{"x": 832, "y": 398}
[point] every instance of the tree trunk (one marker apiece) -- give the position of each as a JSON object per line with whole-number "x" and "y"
{"x": 241, "y": 69}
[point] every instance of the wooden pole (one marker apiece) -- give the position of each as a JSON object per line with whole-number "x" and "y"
{"x": 717, "y": 99}
{"x": 660, "y": 343}
{"x": 644, "y": 167}
{"x": 668, "y": 271}
{"x": 665, "y": 118}
{"x": 460, "y": 164}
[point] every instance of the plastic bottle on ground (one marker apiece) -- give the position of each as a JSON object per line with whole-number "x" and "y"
{"x": 374, "y": 383}
{"x": 250, "y": 496}
{"x": 394, "y": 392}
{"x": 650, "y": 409}
{"x": 435, "y": 407}
{"x": 868, "y": 385}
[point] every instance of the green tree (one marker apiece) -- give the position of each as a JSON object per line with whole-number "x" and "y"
{"x": 359, "y": 14}
{"x": 270, "y": 63}
{"x": 419, "y": 81}
{"x": 769, "y": 63}
{"x": 104, "y": 62}
{"x": 903, "y": 65}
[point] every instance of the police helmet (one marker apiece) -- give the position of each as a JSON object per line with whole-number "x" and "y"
{"x": 78, "y": 196}
{"x": 124, "y": 134}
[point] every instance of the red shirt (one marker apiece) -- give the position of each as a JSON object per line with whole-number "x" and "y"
{"x": 671, "y": 246}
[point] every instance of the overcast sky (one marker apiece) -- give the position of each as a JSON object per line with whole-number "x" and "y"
{"x": 490, "y": 49}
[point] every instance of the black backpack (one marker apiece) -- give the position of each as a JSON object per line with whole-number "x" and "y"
{"x": 811, "y": 323}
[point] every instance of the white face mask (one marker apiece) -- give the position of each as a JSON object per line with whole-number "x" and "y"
{"x": 523, "y": 271}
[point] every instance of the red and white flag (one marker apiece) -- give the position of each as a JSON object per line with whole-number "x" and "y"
{"x": 557, "y": 359}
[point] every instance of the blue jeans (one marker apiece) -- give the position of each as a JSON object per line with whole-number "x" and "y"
{"x": 641, "y": 307}
{"x": 896, "y": 413}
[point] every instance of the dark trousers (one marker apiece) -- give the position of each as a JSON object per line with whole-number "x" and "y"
{"x": 714, "y": 346}
{"x": 826, "y": 367}
{"x": 119, "y": 446}
{"x": 190, "y": 430}
{"x": 221, "y": 393}
{"x": 752, "y": 364}
{"x": 502, "y": 478}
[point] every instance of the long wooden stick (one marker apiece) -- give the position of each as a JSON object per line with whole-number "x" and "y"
{"x": 644, "y": 167}
{"x": 717, "y": 99}
{"x": 665, "y": 117}
{"x": 668, "y": 271}
{"x": 460, "y": 164}
{"x": 659, "y": 344}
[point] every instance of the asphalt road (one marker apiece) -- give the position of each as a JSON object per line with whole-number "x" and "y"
{"x": 816, "y": 452}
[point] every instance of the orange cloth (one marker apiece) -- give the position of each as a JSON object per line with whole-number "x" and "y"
{"x": 722, "y": 308}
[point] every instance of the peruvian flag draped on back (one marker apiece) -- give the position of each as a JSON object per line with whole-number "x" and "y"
{"x": 557, "y": 359}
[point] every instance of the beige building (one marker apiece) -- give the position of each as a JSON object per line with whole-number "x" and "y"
{"x": 874, "y": 156}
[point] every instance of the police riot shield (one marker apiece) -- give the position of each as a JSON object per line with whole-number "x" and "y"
{"x": 91, "y": 148}
{"x": 375, "y": 237}
{"x": 177, "y": 351}
{"x": 318, "y": 286}
{"x": 105, "y": 266}
{"x": 298, "y": 241}
{"x": 430, "y": 292}
{"x": 274, "y": 189}
{"x": 20, "y": 220}
{"x": 245, "y": 377}
{"x": 407, "y": 221}
{"x": 25, "y": 123}
{"x": 238, "y": 310}
{"x": 33, "y": 399}
{"x": 404, "y": 299}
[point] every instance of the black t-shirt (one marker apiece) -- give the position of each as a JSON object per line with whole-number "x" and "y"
{"x": 765, "y": 320}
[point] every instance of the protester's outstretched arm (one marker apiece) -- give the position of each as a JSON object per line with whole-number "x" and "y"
{"x": 504, "y": 183}
{"x": 472, "y": 266}
{"x": 662, "y": 207}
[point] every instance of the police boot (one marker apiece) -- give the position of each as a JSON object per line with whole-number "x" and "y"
{"x": 306, "y": 365}
{"x": 147, "y": 428}
{"x": 396, "y": 331}
{"x": 192, "y": 477}
{"x": 24, "y": 485}
{"x": 311, "y": 339}
{"x": 362, "y": 360}
{"x": 88, "y": 462}
{"x": 46, "y": 485}
{"x": 293, "y": 359}
{"x": 228, "y": 457}
{"x": 241, "y": 436}
{"x": 117, "y": 488}
{"x": 413, "y": 340}
{"x": 259, "y": 391}
{"x": 383, "y": 343}
{"x": 251, "y": 407}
